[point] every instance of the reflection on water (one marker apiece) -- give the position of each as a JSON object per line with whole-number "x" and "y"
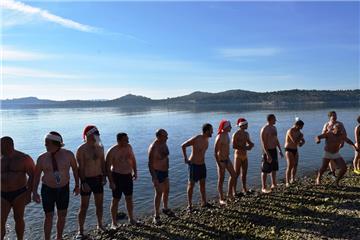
{"x": 29, "y": 126}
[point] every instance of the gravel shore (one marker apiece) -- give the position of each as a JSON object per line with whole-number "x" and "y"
{"x": 302, "y": 211}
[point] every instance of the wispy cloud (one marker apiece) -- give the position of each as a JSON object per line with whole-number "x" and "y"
{"x": 247, "y": 52}
{"x": 13, "y": 54}
{"x": 9, "y": 72}
{"x": 45, "y": 15}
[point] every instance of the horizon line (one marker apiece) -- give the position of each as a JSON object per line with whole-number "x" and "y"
{"x": 131, "y": 94}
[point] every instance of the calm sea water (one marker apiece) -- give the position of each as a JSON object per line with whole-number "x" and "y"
{"x": 28, "y": 127}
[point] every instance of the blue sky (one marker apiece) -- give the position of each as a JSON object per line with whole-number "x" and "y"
{"x": 104, "y": 50}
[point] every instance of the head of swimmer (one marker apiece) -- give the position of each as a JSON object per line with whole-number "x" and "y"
{"x": 161, "y": 135}
{"x": 332, "y": 116}
{"x": 207, "y": 130}
{"x": 299, "y": 124}
{"x": 51, "y": 145}
{"x": 93, "y": 138}
{"x": 7, "y": 146}
{"x": 271, "y": 119}
{"x": 122, "y": 139}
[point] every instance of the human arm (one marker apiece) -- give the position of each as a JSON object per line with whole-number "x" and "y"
{"x": 37, "y": 174}
{"x": 249, "y": 143}
{"x": 264, "y": 140}
{"x": 75, "y": 171}
{"x": 186, "y": 144}
{"x": 30, "y": 171}
{"x": 151, "y": 165}
{"x": 319, "y": 137}
{"x": 133, "y": 163}
{"x": 108, "y": 163}
{"x": 357, "y": 133}
{"x": 216, "y": 148}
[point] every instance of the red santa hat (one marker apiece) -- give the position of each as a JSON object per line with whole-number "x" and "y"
{"x": 53, "y": 137}
{"x": 88, "y": 130}
{"x": 223, "y": 125}
{"x": 241, "y": 122}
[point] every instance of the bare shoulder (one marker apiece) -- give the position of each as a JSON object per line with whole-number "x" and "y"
{"x": 42, "y": 157}
{"x": 81, "y": 147}
{"x": 68, "y": 152}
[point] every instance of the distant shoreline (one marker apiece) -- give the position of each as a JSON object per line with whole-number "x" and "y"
{"x": 203, "y": 99}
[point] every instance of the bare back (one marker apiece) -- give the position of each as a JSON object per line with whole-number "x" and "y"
{"x": 199, "y": 148}
{"x": 13, "y": 171}
{"x": 240, "y": 139}
{"x": 269, "y": 137}
{"x": 159, "y": 155}
{"x": 121, "y": 159}
{"x": 63, "y": 159}
{"x": 90, "y": 159}
{"x": 222, "y": 145}
{"x": 292, "y": 138}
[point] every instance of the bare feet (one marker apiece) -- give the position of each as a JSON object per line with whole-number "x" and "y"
{"x": 222, "y": 202}
{"x": 273, "y": 186}
{"x": 287, "y": 185}
{"x": 264, "y": 190}
{"x": 113, "y": 226}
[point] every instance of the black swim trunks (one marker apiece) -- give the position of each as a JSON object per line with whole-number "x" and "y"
{"x": 123, "y": 183}
{"x": 197, "y": 172}
{"x": 11, "y": 196}
{"x": 293, "y": 151}
{"x": 50, "y": 196}
{"x": 161, "y": 175}
{"x": 95, "y": 184}
{"x": 274, "y": 165}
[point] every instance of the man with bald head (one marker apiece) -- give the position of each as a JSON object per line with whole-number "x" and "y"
{"x": 15, "y": 185}
{"x": 159, "y": 170}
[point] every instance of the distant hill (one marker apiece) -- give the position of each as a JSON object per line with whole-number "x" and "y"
{"x": 231, "y": 97}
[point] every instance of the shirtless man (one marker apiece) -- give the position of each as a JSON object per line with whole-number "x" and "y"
{"x": 241, "y": 144}
{"x": 333, "y": 142}
{"x": 356, "y": 161}
{"x": 293, "y": 139}
{"x": 159, "y": 170}
{"x": 121, "y": 169}
{"x": 91, "y": 161}
{"x": 328, "y": 126}
{"x": 15, "y": 186}
{"x": 222, "y": 157}
{"x": 55, "y": 164}
{"x": 196, "y": 162}
{"x": 269, "y": 143}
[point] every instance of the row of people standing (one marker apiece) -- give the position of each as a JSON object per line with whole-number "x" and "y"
{"x": 90, "y": 167}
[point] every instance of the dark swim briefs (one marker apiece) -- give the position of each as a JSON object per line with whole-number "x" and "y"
{"x": 11, "y": 196}
{"x": 123, "y": 183}
{"x": 293, "y": 151}
{"x": 274, "y": 165}
{"x": 50, "y": 196}
{"x": 197, "y": 172}
{"x": 95, "y": 184}
{"x": 161, "y": 175}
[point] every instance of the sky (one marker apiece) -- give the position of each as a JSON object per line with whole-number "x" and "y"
{"x": 103, "y": 50}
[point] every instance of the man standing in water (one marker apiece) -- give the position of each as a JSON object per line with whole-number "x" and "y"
{"x": 241, "y": 144}
{"x": 196, "y": 162}
{"x": 91, "y": 160}
{"x": 55, "y": 164}
{"x": 328, "y": 126}
{"x": 121, "y": 169}
{"x": 333, "y": 142}
{"x": 222, "y": 156}
{"x": 269, "y": 143}
{"x": 15, "y": 186}
{"x": 293, "y": 139}
{"x": 356, "y": 161}
{"x": 159, "y": 170}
